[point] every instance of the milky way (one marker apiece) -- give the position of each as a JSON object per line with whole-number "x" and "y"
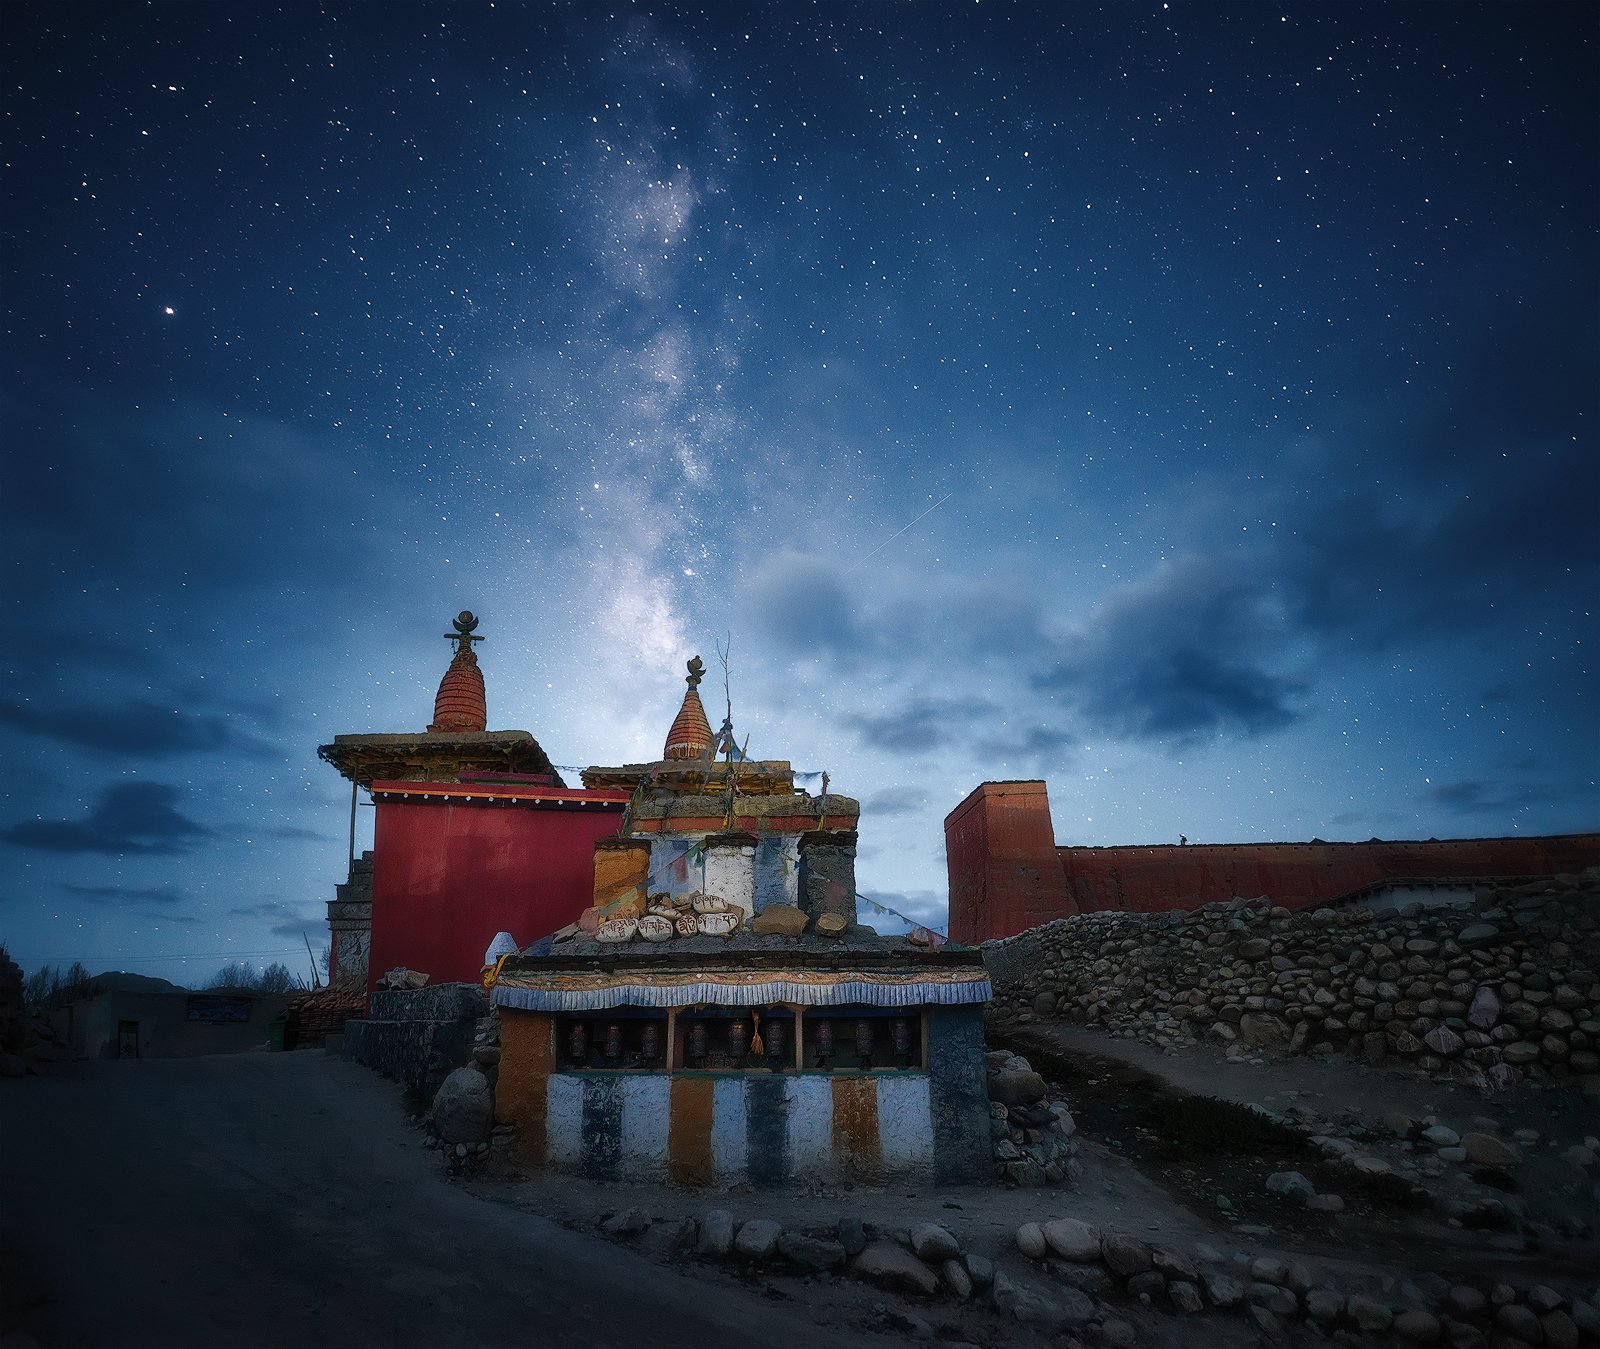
{"x": 1192, "y": 407}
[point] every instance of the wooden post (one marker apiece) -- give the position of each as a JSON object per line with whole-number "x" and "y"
{"x": 351, "y": 871}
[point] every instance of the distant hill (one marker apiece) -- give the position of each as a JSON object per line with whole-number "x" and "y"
{"x": 118, "y": 981}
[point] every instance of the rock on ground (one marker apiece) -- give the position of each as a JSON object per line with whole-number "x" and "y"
{"x": 892, "y": 1266}
{"x": 463, "y": 1107}
{"x": 934, "y": 1243}
{"x": 757, "y": 1239}
{"x": 1072, "y": 1240}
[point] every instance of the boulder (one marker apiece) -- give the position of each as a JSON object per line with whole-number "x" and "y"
{"x": 1060, "y": 1308}
{"x": 1223, "y": 1289}
{"x": 463, "y": 1108}
{"x": 1016, "y": 1086}
{"x": 1031, "y": 1241}
{"x": 757, "y": 1239}
{"x": 1521, "y": 1323}
{"x": 852, "y": 1233}
{"x": 1174, "y": 1264}
{"x": 716, "y": 1233}
{"x": 1368, "y": 1315}
{"x": 1185, "y": 1297}
{"x": 630, "y": 1222}
{"x": 1072, "y": 1240}
{"x": 1269, "y": 1269}
{"x": 1278, "y": 1301}
{"x": 1560, "y": 1330}
{"x": 892, "y": 1266}
{"x": 956, "y": 1279}
{"x": 1262, "y": 1029}
{"x": 1290, "y": 1184}
{"x": 810, "y": 1252}
{"x": 1324, "y": 1306}
{"x": 934, "y": 1243}
{"x": 1484, "y": 1013}
{"x": 1417, "y": 1326}
{"x": 981, "y": 1269}
{"x": 1125, "y": 1256}
{"x": 1487, "y": 1150}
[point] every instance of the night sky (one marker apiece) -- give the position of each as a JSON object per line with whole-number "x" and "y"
{"x": 1193, "y": 407}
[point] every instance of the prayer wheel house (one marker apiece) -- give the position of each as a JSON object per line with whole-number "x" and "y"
{"x": 719, "y": 1016}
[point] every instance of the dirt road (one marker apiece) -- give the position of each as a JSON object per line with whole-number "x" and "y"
{"x": 282, "y": 1200}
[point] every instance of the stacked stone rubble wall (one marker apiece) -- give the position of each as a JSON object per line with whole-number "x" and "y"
{"x": 1501, "y": 989}
{"x": 417, "y": 1036}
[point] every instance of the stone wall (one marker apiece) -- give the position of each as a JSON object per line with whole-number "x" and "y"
{"x": 417, "y": 1036}
{"x": 1502, "y": 988}
{"x": 350, "y": 924}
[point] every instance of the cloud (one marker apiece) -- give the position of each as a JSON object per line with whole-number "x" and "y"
{"x": 265, "y": 909}
{"x": 125, "y": 894}
{"x": 801, "y": 606}
{"x": 289, "y": 831}
{"x": 924, "y": 723}
{"x": 895, "y": 801}
{"x": 133, "y": 727}
{"x": 131, "y": 817}
{"x": 295, "y": 927}
{"x": 1041, "y": 744}
{"x": 928, "y": 908}
{"x": 1185, "y": 655}
{"x": 1473, "y": 797}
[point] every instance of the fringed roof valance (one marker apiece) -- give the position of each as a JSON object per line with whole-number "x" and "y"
{"x": 585, "y": 992}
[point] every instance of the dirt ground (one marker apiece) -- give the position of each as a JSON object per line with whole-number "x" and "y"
{"x": 1137, "y": 1178}
{"x": 285, "y": 1199}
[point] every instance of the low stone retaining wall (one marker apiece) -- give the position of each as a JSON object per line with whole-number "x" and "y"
{"x": 1503, "y": 988}
{"x": 417, "y": 1036}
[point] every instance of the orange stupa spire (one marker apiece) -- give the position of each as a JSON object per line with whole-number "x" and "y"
{"x": 690, "y": 736}
{"x": 460, "y": 704}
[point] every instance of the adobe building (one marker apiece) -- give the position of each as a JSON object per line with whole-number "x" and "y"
{"x": 475, "y": 833}
{"x": 134, "y": 1016}
{"x": 1007, "y": 873}
{"x": 719, "y": 1016}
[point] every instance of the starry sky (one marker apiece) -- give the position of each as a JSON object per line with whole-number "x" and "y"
{"x": 1193, "y": 406}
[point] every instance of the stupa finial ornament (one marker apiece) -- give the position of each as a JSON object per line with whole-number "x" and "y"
{"x": 697, "y": 672}
{"x": 465, "y": 624}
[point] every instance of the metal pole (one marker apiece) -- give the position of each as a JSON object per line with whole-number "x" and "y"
{"x": 352, "y": 868}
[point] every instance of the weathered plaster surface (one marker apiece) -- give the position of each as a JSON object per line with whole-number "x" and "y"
{"x": 810, "y": 1124}
{"x": 958, "y": 1096}
{"x": 729, "y": 1131}
{"x": 777, "y": 871}
{"x": 565, "y": 1122}
{"x": 646, "y": 1110}
{"x": 905, "y": 1124}
{"x": 730, "y": 874}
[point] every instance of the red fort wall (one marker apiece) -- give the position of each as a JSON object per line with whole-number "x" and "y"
{"x": 1007, "y": 873}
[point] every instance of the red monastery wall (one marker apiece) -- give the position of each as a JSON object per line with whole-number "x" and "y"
{"x": 456, "y": 864}
{"x": 1008, "y": 875}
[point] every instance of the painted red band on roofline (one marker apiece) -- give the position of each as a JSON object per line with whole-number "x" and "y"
{"x": 520, "y": 791}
